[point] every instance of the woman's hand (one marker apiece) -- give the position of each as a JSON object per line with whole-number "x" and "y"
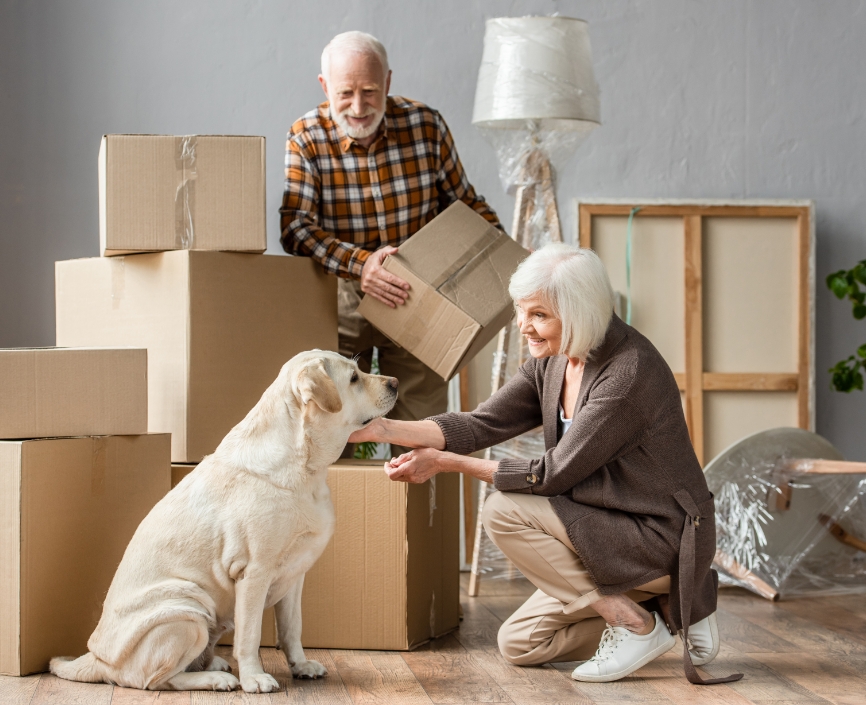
{"x": 416, "y": 466}
{"x": 373, "y": 431}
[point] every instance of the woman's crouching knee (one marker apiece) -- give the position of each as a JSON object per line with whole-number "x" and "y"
{"x": 514, "y": 647}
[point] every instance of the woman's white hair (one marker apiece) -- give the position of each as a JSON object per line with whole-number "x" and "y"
{"x": 354, "y": 42}
{"x": 574, "y": 283}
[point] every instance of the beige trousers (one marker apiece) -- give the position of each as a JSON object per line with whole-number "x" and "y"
{"x": 421, "y": 392}
{"x": 557, "y": 623}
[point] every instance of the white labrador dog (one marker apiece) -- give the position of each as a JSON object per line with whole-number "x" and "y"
{"x": 235, "y": 536}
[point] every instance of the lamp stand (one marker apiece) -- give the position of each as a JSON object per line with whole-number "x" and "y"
{"x": 536, "y": 188}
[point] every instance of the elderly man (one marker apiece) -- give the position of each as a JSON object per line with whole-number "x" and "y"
{"x": 364, "y": 172}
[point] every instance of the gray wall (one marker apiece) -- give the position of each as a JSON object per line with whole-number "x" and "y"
{"x": 734, "y": 99}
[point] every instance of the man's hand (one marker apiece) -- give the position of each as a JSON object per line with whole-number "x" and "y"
{"x": 381, "y": 284}
{"x": 417, "y": 466}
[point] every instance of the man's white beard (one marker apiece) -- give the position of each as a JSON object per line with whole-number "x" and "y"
{"x": 359, "y": 133}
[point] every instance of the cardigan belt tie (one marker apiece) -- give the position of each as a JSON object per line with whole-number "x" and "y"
{"x": 687, "y": 585}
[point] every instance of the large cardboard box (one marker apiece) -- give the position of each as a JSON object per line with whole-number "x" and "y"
{"x": 389, "y": 578}
{"x": 217, "y": 326}
{"x": 458, "y": 267}
{"x": 47, "y": 392}
{"x": 191, "y": 192}
{"x": 68, "y": 508}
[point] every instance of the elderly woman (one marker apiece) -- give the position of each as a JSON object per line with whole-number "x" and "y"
{"x": 616, "y": 512}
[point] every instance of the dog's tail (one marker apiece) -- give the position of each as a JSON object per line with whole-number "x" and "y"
{"x": 85, "y": 669}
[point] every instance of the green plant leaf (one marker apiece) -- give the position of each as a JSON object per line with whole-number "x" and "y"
{"x": 859, "y": 271}
{"x": 366, "y": 450}
{"x": 859, "y": 311}
{"x": 861, "y": 351}
{"x": 838, "y": 284}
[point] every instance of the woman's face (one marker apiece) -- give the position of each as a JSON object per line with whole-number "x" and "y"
{"x": 542, "y": 330}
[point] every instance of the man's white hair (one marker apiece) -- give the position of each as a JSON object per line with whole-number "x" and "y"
{"x": 574, "y": 283}
{"x": 354, "y": 42}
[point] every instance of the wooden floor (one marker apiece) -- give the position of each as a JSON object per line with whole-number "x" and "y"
{"x": 799, "y": 651}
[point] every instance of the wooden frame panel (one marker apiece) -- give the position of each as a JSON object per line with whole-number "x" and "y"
{"x": 696, "y": 381}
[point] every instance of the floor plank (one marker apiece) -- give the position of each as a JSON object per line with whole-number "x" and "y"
{"x": 760, "y": 682}
{"x": 373, "y": 677}
{"x": 449, "y": 674}
{"x": 329, "y": 690}
{"x": 18, "y": 691}
{"x": 52, "y": 690}
{"x": 836, "y": 681}
{"x": 130, "y": 696}
{"x": 525, "y": 686}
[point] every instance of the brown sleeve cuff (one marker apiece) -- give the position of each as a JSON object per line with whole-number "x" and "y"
{"x": 514, "y": 475}
{"x": 458, "y": 437}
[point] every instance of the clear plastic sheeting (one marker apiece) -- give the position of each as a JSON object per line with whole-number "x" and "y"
{"x": 787, "y": 527}
{"x": 518, "y": 151}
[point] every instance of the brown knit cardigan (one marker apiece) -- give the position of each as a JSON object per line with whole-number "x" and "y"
{"x": 621, "y": 478}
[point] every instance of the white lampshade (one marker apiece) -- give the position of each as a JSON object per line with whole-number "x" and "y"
{"x": 536, "y": 73}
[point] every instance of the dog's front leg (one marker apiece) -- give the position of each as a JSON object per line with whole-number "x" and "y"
{"x": 289, "y": 633}
{"x": 250, "y": 595}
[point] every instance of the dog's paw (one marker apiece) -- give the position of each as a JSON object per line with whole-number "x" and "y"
{"x": 309, "y": 669}
{"x": 259, "y": 683}
{"x": 218, "y": 680}
{"x": 219, "y": 664}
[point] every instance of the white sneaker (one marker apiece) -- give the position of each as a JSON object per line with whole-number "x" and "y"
{"x": 621, "y": 652}
{"x": 703, "y": 640}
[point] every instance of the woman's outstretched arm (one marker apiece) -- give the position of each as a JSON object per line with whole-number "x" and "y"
{"x": 412, "y": 434}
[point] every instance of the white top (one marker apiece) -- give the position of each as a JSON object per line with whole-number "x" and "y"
{"x": 566, "y": 423}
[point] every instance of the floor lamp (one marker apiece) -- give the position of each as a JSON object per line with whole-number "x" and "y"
{"x": 536, "y": 102}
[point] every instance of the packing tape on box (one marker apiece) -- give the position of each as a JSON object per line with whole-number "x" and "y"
{"x": 184, "y": 199}
{"x": 480, "y": 246}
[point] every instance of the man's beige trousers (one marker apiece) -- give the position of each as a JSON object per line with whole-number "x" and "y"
{"x": 557, "y": 623}
{"x": 421, "y": 392}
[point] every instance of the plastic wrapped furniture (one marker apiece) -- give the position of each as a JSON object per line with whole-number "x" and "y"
{"x": 790, "y": 515}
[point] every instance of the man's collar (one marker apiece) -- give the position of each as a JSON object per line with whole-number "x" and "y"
{"x": 385, "y": 127}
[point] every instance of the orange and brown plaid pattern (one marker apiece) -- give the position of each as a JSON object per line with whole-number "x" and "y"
{"x": 342, "y": 201}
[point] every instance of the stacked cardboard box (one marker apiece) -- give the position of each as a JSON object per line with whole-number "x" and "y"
{"x": 78, "y": 472}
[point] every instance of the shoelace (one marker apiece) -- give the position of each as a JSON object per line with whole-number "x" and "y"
{"x": 610, "y": 638}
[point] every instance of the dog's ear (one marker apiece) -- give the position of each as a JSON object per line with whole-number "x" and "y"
{"x": 314, "y": 384}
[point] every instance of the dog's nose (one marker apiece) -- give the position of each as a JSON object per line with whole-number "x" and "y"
{"x": 393, "y": 383}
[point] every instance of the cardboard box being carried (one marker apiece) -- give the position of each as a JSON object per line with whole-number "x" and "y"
{"x": 217, "y": 327}
{"x": 389, "y": 578}
{"x": 192, "y": 192}
{"x": 458, "y": 267}
{"x": 68, "y": 508}
{"x": 46, "y": 392}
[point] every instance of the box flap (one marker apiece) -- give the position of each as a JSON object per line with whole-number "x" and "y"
{"x": 480, "y": 288}
{"x": 434, "y": 329}
{"x": 447, "y": 243}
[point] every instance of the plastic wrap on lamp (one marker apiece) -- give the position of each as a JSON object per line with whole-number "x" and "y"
{"x": 786, "y": 548}
{"x": 538, "y": 70}
{"x": 536, "y": 93}
{"x": 514, "y": 147}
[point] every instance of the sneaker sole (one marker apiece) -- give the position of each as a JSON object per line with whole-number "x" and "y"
{"x": 651, "y": 656}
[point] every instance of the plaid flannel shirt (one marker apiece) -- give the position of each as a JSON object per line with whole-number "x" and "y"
{"x": 342, "y": 201}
